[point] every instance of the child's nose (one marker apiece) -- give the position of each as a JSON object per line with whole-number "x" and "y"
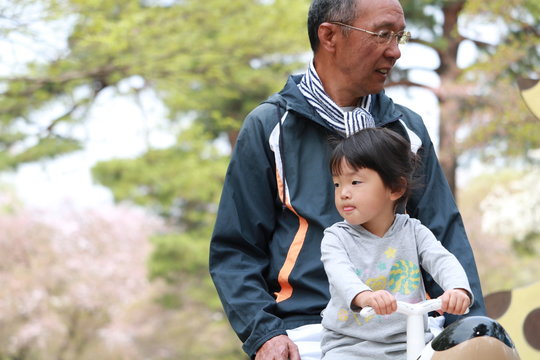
{"x": 345, "y": 193}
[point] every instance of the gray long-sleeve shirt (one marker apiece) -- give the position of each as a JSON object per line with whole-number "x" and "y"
{"x": 356, "y": 260}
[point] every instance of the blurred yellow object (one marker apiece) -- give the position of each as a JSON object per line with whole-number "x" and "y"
{"x": 518, "y": 311}
{"x": 530, "y": 92}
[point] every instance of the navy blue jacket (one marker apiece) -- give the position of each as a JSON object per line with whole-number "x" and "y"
{"x": 265, "y": 249}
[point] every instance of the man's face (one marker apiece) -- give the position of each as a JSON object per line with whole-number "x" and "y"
{"x": 362, "y": 60}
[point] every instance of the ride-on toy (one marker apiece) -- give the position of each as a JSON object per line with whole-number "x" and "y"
{"x": 474, "y": 337}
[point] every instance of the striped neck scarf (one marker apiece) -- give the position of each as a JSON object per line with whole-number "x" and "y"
{"x": 345, "y": 122}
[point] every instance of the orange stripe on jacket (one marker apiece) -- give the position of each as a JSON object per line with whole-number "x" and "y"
{"x": 294, "y": 250}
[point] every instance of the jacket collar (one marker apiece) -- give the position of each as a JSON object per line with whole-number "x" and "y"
{"x": 384, "y": 110}
{"x": 297, "y": 102}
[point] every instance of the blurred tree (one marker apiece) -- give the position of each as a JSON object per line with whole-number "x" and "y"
{"x": 15, "y": 17}
{"x": 67, "y": 279}
{"x": 511, "y": 210}
{"x": 479, "y": 102}
{"x": 182, "y": 184}
{"x": 211, "y": 62}
{"x": 75, "y": 287}
{"x": 212, "y": 59}
{"x": 215, "y": 60}
{"x": 502, "y": 222}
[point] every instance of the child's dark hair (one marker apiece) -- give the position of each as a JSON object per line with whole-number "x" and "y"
{"x": 383, "y": 151}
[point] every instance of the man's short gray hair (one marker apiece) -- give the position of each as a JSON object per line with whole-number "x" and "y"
{"x": 320, "y": 11}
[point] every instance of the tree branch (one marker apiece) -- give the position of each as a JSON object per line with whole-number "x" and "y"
{"x": 99, "y": 73}
{"x": 407, "y": 83}
{"x": 480, "y": 44}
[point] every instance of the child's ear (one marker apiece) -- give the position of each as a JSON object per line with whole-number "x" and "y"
{"x": 398, "y": 191}
{"x": 395, "y": 195}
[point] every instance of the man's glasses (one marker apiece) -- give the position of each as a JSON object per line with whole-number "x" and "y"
{"x": 383, "y": 36}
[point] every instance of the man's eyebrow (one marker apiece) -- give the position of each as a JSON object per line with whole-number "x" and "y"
{"x": 388, "y": 24}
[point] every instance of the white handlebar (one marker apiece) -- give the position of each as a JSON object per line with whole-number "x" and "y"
{"x": 415, "y": 322}
{"x": 409, "y": 309}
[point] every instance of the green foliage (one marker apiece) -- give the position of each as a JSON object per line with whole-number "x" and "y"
{"x": 478, "y": 101}
{"x": 418, "y": 15}
{"x": 510, "y": 130}
{"x": 212, "y": 61}
{"x": 178, "y": 254}
{"x": 182, "y": 183}
{"x": 46, "y": 148}
{"x": 529, "y": 246}
{"x": 211, "y": 58}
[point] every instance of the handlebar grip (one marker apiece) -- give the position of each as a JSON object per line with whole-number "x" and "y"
{"x": 367, "y": 311}
{"x": 409, "y": 309}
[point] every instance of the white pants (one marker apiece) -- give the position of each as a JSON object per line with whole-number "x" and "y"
{"x": 308, "y": 337}
{"x": 308, "y": 340}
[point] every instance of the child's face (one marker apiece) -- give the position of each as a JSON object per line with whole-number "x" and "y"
{"x": 362, "y": 199}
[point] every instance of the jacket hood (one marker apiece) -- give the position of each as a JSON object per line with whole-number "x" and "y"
{"x": 399, "y": 222}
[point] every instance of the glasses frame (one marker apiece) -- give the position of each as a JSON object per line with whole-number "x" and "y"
{"x": 402, "y": 37}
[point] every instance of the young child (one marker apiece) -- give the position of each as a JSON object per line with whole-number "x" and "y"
{"x": 373, "y": 257}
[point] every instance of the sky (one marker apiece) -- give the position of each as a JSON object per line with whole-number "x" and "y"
{"x": 116, "y": 128}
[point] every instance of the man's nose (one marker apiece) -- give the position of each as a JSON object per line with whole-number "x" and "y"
{"x": 393, "y": 51}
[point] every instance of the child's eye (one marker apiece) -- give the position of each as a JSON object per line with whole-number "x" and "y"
{"x": 356, "y": 182}
{"x": 336, "y": 185}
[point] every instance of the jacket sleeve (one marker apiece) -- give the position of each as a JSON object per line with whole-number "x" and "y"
{"x": 434, "y": 205}
{"x": 239, "y": 257}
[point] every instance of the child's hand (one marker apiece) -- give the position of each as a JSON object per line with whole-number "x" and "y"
{"x": 381, "y": 301}
{"x": 455, "y": 301}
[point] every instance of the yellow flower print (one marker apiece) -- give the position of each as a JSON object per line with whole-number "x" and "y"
{"x": 378, "y": 283}
{"x": 404, "y": 278}
{"x": 390, "y": 253}
{"x": 343, "y": 315}
{"x": 362, "y": 320}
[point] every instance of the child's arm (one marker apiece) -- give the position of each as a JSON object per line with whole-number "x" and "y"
{"x": 455, "y": 301}
{"x": 445, "y": 269}
{"x": 383, "y": 302}
{"x": 342, "y": 277}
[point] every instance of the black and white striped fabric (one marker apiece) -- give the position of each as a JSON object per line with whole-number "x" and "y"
{"x": 346, "y": 122}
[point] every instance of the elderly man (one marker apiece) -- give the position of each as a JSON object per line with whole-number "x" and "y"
{"x": 278, "y": 195}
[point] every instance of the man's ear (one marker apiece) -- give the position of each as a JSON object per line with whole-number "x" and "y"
{"x": 327, "y": 36}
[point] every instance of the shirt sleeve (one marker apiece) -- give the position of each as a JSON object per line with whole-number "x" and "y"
{"x": 339, "y": 269}
{"x": 433, "y": 204}
{"x": 440, "y": 263}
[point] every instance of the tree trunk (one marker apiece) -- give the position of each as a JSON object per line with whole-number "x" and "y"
{"x": 450, "y": 94}
{"x": 449, "y": 119}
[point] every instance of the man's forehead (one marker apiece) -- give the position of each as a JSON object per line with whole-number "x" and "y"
{"x": 381, "y": 13}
